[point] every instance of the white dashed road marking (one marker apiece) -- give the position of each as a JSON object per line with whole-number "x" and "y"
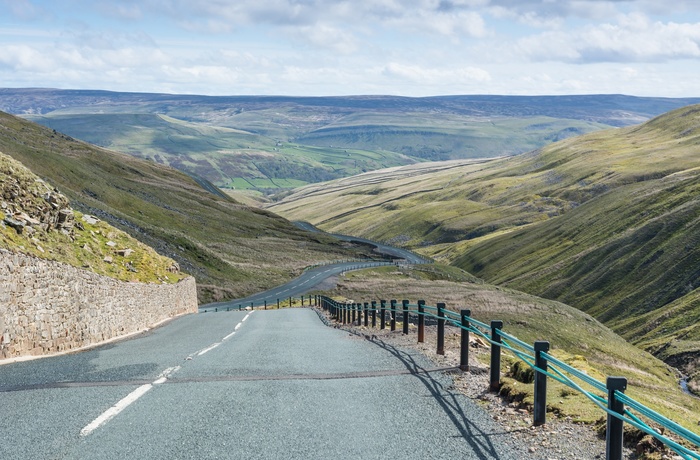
{"x": 143, "y": 389}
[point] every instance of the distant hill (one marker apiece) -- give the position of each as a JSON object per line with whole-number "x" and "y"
{"x": 232, "y": 250}
{"x": 271, "y": 142}
{"x": 608, "y": 222}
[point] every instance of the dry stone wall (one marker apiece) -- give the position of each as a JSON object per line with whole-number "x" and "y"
{"x": 48, "y": 307}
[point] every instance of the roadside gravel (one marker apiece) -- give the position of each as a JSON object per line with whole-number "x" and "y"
{"x": 558, "y": 439}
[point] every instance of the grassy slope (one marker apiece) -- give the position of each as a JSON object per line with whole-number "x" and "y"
{"x": 607, "y": 222}
{"x": 231, "y": 249}
{"x": 230, "y": 158}
{"x": 575, "y": 337}
{"x": 87, "y": 244}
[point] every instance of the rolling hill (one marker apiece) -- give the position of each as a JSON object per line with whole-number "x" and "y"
{"x": 232, "y": 250}
{"x": 606, "y": 222}
{"x": 265, "y": 143}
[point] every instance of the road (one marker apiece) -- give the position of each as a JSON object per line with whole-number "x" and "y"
{"x": 398, "y": 253}
{"x": 249, "y": 385}
{"x": 307, "y": 282}
{"x": 312, "y": 278}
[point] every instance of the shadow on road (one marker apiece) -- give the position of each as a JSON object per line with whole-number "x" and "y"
{"x": 478, "y": 439}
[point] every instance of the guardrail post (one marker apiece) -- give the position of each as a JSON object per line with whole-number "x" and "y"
{"x": 464, "y": 342}
{"x": 421, "y": 321}
{"x": 278, "y": 304}
{"x": 302, "y": 301}
{"x": 404, "y": 304}
{"x": 354, "y": 313}
{"x": 266, "y": 305}
{"x": 393, "y": 314}
{"x": 251, "y": 306}
{"x": 290, "y": 303}
{"x": 240, "y": 307}
{"x": 382, "y": 316}
{"x": 374, "y": 314}
{"x": 540, "y": 409}
{"x": 495, "y": 377}
{"x": 441, "y": 329}
{"x": 613, "y": 433}
{"x": 366, "y": 314}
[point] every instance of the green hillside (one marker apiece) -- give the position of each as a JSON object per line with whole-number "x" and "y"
{"x": 232, "y": 250}
{"x": 437, "y": 137}
{"x": 607, "y": 222}
{"x": 229, "y": 158}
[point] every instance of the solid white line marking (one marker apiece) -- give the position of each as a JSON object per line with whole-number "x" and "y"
{"x": 116, "y": 409}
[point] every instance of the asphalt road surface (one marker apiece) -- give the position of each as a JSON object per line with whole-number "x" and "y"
{"x": 241, "y": 385}
{"x": 307, "y": 282}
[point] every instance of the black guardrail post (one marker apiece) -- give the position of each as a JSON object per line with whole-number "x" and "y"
{"x": 441, "y": 329}
{"x": 613, "y": 435}
{"x": 354, "y": 313}
{"x": 540, "y": 405}
{"x": 251, "y": 306}
{"x": 421, "y": 321}
{"x": 495, "y": 377}
{"x": 302, "y": 301}
{"x": 404, "y": 304}
{"x": 464, "y": 340}
{"x": 374, "y": 314}
{"x": 290, "y": 303}
{"x": 278, "y": 304}
{"x": 366, "y": 314}
{"x": 382, "y": 315}
{"x": 393, "y": 314}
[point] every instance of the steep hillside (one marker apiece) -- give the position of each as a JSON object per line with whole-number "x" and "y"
{"x": 232, "y": 250}
{"x": 36, "y": 219}
{"x": 607, "y": 222}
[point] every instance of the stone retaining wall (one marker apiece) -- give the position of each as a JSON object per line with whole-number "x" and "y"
{"x": 48, "y": 307}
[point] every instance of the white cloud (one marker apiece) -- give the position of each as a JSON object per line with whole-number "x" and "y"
{"x": 634, "y": 38}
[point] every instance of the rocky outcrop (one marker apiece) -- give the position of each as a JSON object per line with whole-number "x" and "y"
{"x": 29, "y": 204}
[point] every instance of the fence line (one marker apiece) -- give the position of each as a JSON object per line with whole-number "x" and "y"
{"x": 614, "y": 402}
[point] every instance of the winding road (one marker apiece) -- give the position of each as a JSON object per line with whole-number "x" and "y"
{"x": 312, "y": 278}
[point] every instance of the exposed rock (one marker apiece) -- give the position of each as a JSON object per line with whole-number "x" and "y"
{"x": 108, "y": 259}
{"x": 111, "y": 244}
{"x": 18, "y": 225}
{"x": 92, "y": 220}
{"x": 124, "y": 252}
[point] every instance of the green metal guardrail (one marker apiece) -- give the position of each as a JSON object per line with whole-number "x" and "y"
{"x": 608, "y": 396}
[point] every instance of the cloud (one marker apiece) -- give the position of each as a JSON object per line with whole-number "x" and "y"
{"x": 634, "y": 38}
{"x": 435, "y": 76}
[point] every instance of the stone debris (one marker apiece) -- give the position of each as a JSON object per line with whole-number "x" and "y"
{"x": 124, "y": 252}
{"x": 108, "y": 259}
{"x": 111, "y": 244}
{"x": 91, "y": 220}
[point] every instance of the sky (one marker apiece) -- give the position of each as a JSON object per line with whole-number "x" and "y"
{"x": 354, "y": 47}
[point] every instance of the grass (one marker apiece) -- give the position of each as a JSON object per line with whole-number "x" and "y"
{"x": 227, "y": 157}
{"x": 90, "y": 246}
{"x": 232, "y": 250}
{"x": 606, "y": 222}
{"x": 575, "y": 337}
